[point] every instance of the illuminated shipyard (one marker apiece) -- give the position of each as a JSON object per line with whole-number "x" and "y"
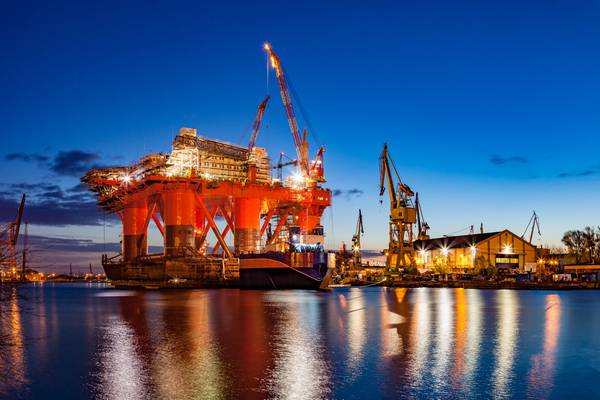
{"x": 275, "y": 223}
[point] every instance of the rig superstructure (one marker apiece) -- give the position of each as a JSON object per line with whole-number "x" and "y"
{"x": 275, "y": 225}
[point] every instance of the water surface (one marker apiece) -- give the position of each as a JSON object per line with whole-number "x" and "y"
{"x": 81, "y": 340}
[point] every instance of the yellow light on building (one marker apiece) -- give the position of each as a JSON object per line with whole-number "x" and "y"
{"x": 507, "y": 249}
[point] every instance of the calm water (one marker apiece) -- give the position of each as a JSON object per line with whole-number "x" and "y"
{"x": 74, "y": 341}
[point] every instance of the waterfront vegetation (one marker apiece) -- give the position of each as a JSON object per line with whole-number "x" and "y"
{"x": 583, "y": 245}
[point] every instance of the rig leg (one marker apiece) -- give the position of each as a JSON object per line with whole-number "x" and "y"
{"x": 180, "y": 217}
{"x": 135, "y": 234}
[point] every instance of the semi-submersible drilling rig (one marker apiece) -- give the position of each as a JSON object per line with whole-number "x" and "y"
{"x": 204, "y": 184}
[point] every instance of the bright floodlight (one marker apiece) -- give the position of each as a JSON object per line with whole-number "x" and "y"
{"x": 126, "y": 178}
{"x": 297, "y": 177}
{"x": 507, "y": 249}
{"x": 445, "y": 251}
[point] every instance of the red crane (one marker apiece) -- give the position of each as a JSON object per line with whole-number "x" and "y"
{"x": 256, "y": 127}
{"x": 299, "y": 140}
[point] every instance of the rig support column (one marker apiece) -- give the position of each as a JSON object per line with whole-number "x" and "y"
{"x": 199, "y": 230}
{"x": 247, "y": 225}
{"x": 135, "y": 231}
{"x": 180, "y": 217}
{"x": 309, "y": 219}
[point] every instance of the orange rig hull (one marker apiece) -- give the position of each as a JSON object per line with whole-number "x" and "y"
{"x": 222, "y": 218}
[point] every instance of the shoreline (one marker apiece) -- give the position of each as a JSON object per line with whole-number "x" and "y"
{"x": 495, "y": 285}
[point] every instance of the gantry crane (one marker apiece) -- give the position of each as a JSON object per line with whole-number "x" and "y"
{"x": 256, "y": 126}
{"x": 422, "y": 225}
{"x": 403, "y": 213}
{"x": 309, "y": 170}
{"x": 356, "y": 245}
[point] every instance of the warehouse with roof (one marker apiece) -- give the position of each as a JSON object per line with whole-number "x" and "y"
{"x": 462, "y": 254}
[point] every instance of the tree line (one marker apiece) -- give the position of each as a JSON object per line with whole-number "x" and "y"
{"x": 583, "y": 245}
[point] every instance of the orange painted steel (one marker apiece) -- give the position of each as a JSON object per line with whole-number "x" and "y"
{"x": 135, "y": 230}
{"x": 188, "y": 207}
{"x": 247, "y": 225}
{"x": 282, "y": 221}
{"x": 266, "y": 222}
{"x": 134, "y": 217}
{"x": 247, "y": 213}
{"x": 159, "y": 225}
{"x": 179, "y": 215}
{"x": 179, "y": 206}
{"x": 212, "y": 225}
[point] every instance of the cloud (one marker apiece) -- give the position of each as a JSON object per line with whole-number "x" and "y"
{"x": 79, "y": 188}
{"x": 73, "y": 162}
{"x": 27, "y": 157}
{"x": 49, "y": 204}
{"x": 65, "y": 163}
{"x": 586, "y": 172}
{"x": 71, "y": 244}
{"x": 348, "y": 194}
{"x": 497, "y": 160}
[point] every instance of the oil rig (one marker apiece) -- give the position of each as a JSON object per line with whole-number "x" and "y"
{"x": 274, "y": 223}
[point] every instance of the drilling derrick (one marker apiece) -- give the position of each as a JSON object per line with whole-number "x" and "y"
{"x": 215, "y": 204}
{"x": 403, "y": 213}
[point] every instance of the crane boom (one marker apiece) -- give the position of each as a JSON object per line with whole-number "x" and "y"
{"x": 534, "y": 222}
{"x": 17, "y": 226}
{"x": 256, "y": 126}
{"x": 299, "y": 141}
{"x": 385, "y": 174}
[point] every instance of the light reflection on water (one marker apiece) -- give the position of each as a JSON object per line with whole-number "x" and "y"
{"x": 507, "y": 338}
{"x": 11, "y": 343}
{"x": 420, "y": 335}
{"x": 540, "y": 380}
{"x": 348, "y": 343}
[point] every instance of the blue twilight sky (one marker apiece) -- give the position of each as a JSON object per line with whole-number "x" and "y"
{"x": 490, "y": 108}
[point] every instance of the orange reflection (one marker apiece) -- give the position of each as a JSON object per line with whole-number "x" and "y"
{"x": 541, "y": 374}
{"x": 474, "y": 331}
{"x": 419, "y": 336}
{"x": 460, "y": 314}
{"x": 12, "y": 349}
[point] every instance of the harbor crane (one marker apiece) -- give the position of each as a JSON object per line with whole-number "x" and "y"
{"x": 257, "y": 121}
{"x": 422, "y": 225}
{"x": 311, "y": 170}
{"x": 356, "y": 245}
{"x": 534, "y": 222}
{"x": 9, "y": 236}
{"x": 281, "y": 164}
{"x": 403, "y": 213}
